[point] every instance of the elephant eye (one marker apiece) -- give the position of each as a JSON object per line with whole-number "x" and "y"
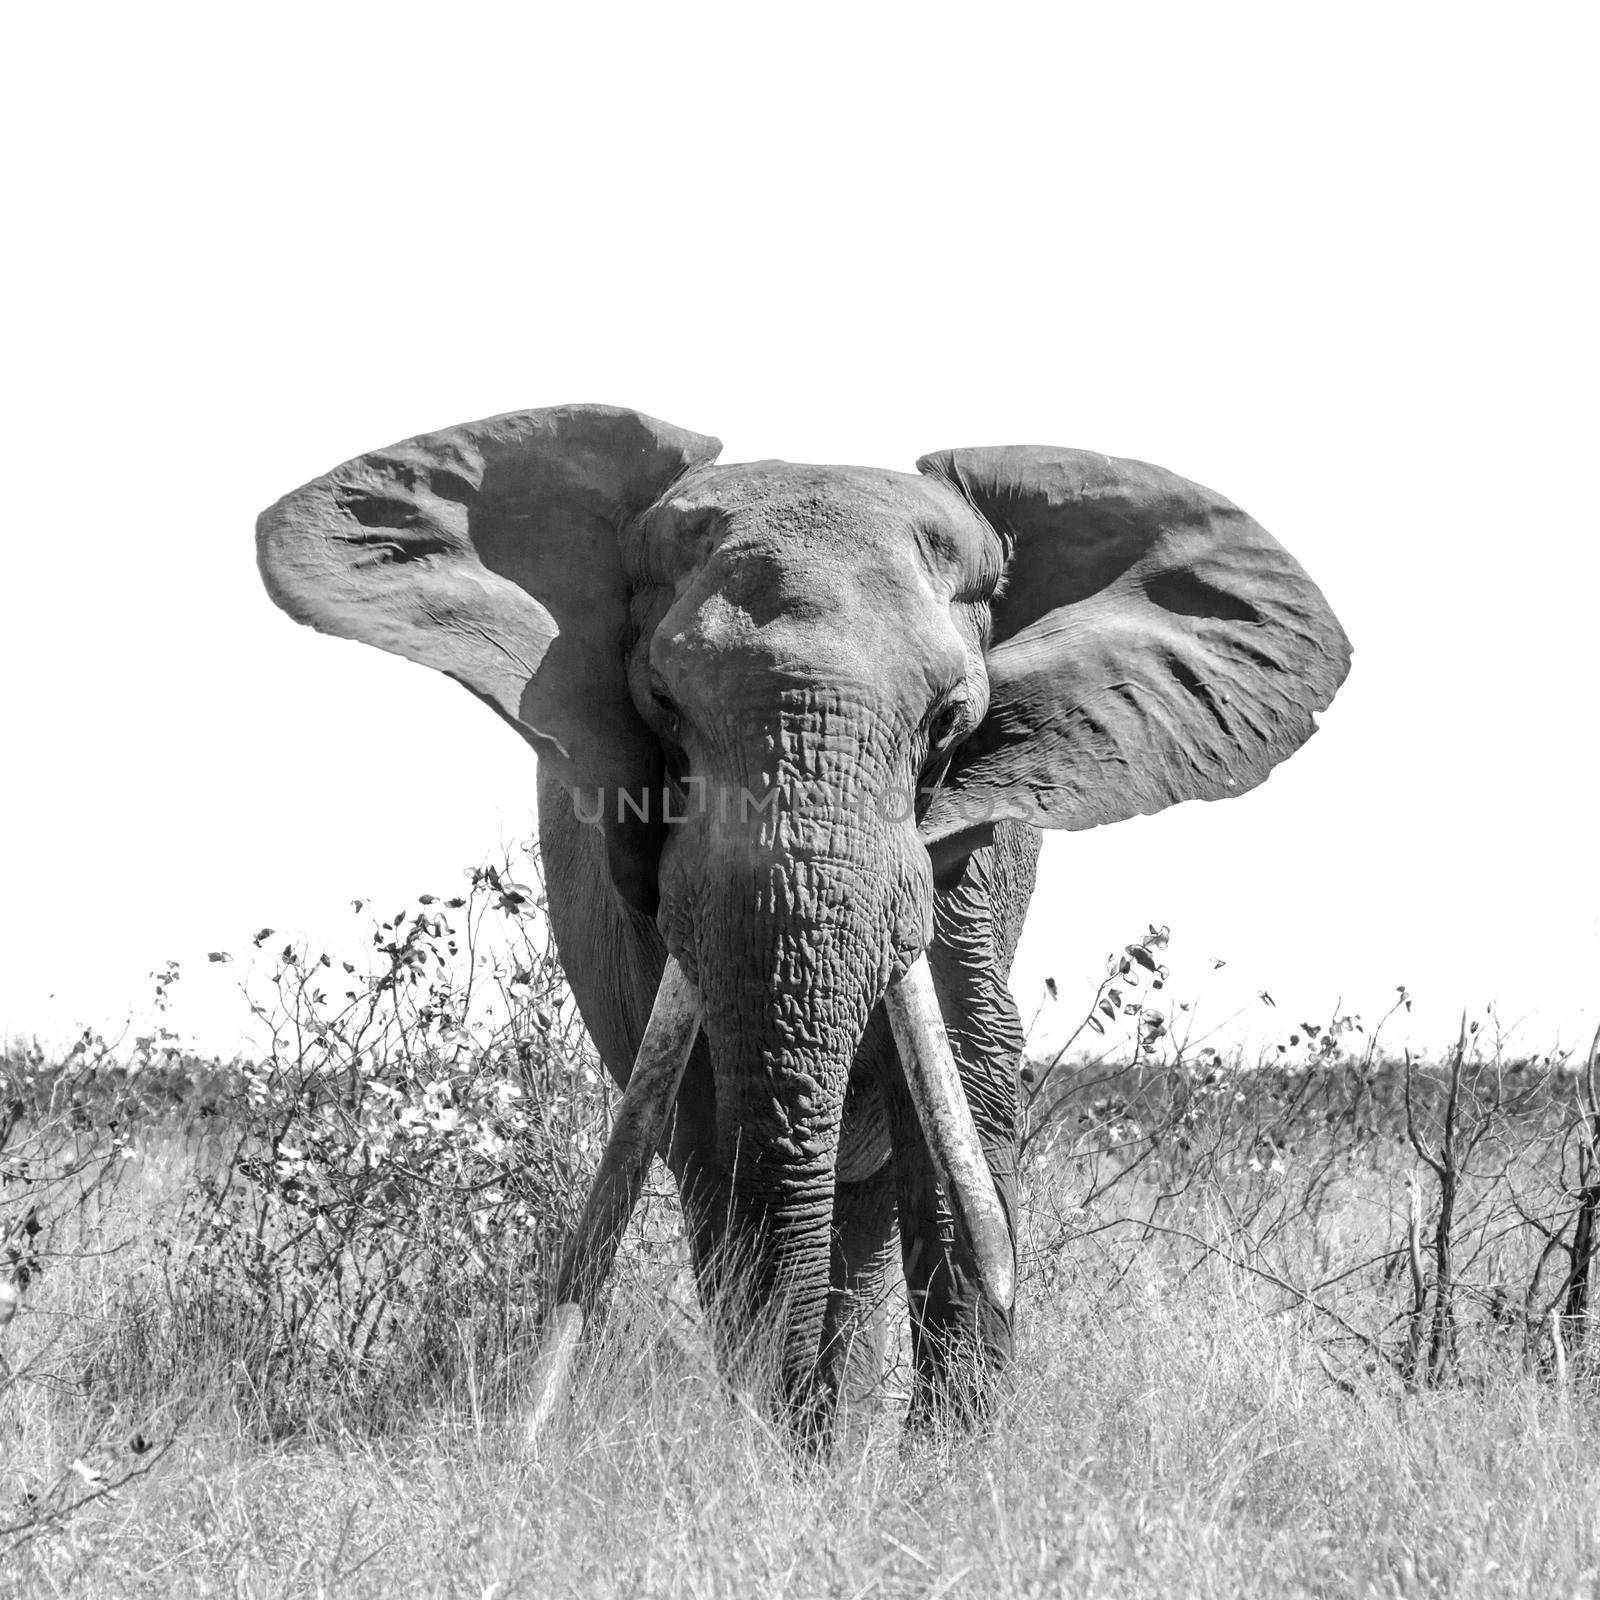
{"x": 665, "y": 709}
{"x": 946, "y": 722}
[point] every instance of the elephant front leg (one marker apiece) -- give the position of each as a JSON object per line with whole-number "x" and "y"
{"x": 703, "y": 1189}
{"x": 855, "y": 1326}
{"x": 961, "y": 1343}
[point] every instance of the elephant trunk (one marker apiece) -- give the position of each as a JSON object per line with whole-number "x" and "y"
{"x": 795, "y": 946}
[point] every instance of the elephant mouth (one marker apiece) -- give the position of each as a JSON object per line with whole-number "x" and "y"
{"x": 646, "y": 1108}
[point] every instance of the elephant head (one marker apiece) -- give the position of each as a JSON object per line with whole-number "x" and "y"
{"x": 790, "y": 697}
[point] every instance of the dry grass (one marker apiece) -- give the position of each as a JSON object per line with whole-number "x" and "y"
{"x": 1173, "y": 1431}
{"x": 1218, "y": 1389}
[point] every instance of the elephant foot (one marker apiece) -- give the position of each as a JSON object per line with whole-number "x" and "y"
{"x": 962, "y": 1350}
{"x": 958, "y": 1402}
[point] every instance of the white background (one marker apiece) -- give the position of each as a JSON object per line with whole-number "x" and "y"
{"x": 1337, "y": 263}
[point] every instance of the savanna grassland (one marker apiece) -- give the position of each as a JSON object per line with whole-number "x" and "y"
{"x": 1317, "y": 1330}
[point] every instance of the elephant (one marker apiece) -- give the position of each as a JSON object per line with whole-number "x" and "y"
{"x": 799, "y": 730}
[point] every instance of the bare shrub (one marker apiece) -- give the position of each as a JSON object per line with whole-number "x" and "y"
{"x": 406, "y": 1160}
{"x": 1433, "y": 1221}
{"x": 348, "y": 1230}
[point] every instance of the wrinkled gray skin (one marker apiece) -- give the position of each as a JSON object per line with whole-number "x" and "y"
{"x": 1018, "y": 638}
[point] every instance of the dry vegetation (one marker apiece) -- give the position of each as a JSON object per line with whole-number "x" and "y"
{"x": 1312, "y": 1330}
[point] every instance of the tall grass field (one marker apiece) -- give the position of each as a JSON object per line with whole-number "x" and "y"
{"x": 1312, "y": 1329}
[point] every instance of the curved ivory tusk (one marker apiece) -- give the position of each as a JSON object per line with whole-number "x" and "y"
{"x": 947, "y": 1123}
{"x": 552, "y": 1370}
{"x": 640, "y": 1123}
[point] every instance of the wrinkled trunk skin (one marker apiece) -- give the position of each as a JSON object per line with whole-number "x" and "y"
{"x": 793, "y": 920}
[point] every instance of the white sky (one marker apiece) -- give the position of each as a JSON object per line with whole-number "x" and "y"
{"x": 1337, "y": 263}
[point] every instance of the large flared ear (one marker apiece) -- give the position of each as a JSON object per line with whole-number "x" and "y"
{"x": 1151, "y": 644}
{"x": 489, "y": 552}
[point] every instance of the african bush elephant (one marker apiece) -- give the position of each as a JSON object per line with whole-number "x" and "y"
{"x": 800, "y": 727}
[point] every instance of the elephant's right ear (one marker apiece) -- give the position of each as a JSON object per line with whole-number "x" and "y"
{"x": 1152, "y": 644}
{"x": 489, "y": 552}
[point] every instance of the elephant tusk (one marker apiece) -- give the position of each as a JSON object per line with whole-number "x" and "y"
{"x": 636, "y": 1133}
{"x": 552, "y": 1370}
{"x": 952, "y": 1135}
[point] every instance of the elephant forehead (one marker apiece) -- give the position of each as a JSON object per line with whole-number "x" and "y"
{"x": 801, "y": 512}
{"x": 856, "y": 616}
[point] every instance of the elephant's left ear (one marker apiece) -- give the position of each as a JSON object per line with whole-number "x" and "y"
{"x": 490, "y": 552}
{"x": 1151, "y": 644}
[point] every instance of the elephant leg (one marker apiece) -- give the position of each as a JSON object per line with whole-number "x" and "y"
{"x": 855, "y": 1325}
{"x": 703, "y": 1190}
{"x": 961, "y": 1343}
